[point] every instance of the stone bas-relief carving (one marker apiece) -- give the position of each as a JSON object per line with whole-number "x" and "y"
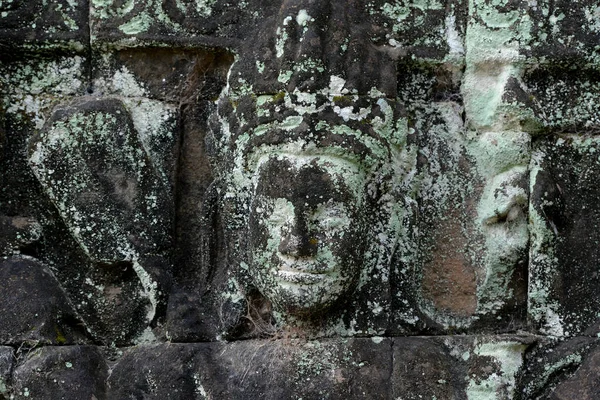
{"x": 104, "y": 184}
{"x": 312, "y": 206}
{"x": 347, "y": 185}
{"x": 475, "y": 271}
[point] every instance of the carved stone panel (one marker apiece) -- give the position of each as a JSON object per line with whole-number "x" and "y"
{"x": 299, "y": 199}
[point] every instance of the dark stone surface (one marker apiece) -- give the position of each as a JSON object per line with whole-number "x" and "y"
{"x": 36, "y": 306}
{"x": 6, "y": 367}
{"x": 563, "y": 278}
{"x": 50, "y": 373}
{"x": 584, "y": 383}
{"x": 288, "y": 53}
{"x": 194, "y": 315}
{"x": 39, "y": 26}
{"x": 165, "y": 371}
{"x": 181, "y": 76}
{"x": 458, "y": 367}
{"x": 17, "y": 232}
{"x": 378, "y": 368}
{"x": 554, "y": 368}
{"x": 194, "y": 311}
{"x": 333, "y": 369}
{"x": 424, "y": 368}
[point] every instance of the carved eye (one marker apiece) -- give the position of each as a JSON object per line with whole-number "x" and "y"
{"x": 280, "y": 217}
{"x": 331, "y": 216}
{"x": 277, "y": 212}
{"x": 509, "y": 213}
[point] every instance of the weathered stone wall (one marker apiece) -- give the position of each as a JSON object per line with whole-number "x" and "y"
{"x": 312, "y": 199}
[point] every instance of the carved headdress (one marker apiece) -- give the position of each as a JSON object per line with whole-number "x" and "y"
{"x": 310, "y": 46}
{"x": 302, "y": 91}
{"x": 312, "y": 81}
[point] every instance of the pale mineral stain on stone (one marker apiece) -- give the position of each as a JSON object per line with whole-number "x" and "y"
{"x": 501, "y": 384}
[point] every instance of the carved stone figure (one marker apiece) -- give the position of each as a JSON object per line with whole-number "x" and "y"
{"x": 313, "y": 163}
{"x": 312, "y": 200}
{"x": 502, "y": 216}
{"x": 102, "y": 170}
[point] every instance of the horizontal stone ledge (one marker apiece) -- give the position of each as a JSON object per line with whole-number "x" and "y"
{"x": 374, "y": 368}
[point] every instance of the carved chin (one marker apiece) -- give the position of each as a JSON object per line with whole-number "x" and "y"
{"x": 302, "y": 293}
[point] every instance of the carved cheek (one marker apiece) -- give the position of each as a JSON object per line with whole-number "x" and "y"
{"x": 268, "y": 221}
{"x": 257, "y": 233}
{"x": 338, "y": 231}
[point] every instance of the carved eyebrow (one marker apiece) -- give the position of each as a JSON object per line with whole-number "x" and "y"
{"x": 259, "y": 157}
{"x": 505, "y": 214}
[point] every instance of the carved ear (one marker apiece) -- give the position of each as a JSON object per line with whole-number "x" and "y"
{"x": 211, "y": 231}
{"x": 216, "y": 262}
{"x": 220, "y": 113}
{"x": 213, "y": 134}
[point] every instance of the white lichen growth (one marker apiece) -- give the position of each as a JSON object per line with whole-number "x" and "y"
{"x": 497, "y": 384}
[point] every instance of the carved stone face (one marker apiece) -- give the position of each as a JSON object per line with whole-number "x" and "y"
{"x": 307, "y": 233}
{"x": 503, "y": 213}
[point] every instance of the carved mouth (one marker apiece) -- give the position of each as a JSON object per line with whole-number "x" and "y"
{"x": 301, "y": 278}
{"x": 303, "y": 272}
{"x": 308, "y": 265}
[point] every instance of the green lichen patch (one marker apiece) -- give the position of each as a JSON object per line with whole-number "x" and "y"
{"x": 115, "y": 23}
{"x": 424, "y": 29}
{"x": 563, "y": 32}
{"x": 564, "y": 99}
{"x": 95, "y": 162}
{"x": 34, "y": 85}
{"x": 500, "y": 383}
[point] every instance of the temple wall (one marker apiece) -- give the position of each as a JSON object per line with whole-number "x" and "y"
{"x": 299, "y": 200}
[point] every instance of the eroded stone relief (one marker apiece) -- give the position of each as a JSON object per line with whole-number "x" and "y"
{"x": 314, "y": 198}
{"x": 383, "y": 199}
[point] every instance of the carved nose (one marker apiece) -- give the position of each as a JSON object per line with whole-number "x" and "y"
{"x": 297, "y": 242}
